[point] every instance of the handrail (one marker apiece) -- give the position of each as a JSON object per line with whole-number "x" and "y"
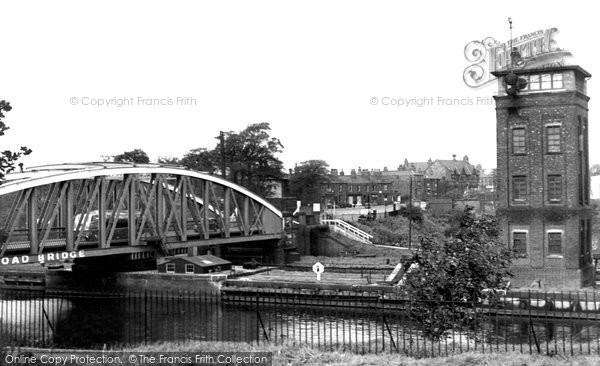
{"x": 354, "y": 232}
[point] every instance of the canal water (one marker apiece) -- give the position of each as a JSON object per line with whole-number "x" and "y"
{"x": 69, "y": 320}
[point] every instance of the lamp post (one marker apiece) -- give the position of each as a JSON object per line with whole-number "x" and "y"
{"x": 221, "y": 138}
{"x": 410, "y": 212}
{"x": 384, "y": 206}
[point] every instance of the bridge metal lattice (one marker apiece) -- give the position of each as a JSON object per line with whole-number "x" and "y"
{"x": 127, "y": 208}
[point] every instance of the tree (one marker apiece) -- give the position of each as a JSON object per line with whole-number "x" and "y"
{"x": 134, "y": 156}
{"x": 306, "y": 180}
{"x": 168, "y": 160}
{"x": 199, "y": 159}
{"x": 250, "y": 158}
{"x": 8, "y": 158}
{"x": 451, "y": 274}
{"x": 414, "y": 213}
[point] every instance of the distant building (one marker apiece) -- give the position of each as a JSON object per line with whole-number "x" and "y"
{"x": 486, "y": 182}
{"x": 193, "y": 265}
{"x": 457, "y": 171}
{"x": 358, "y": 188}
{"x": 429, "y": 179}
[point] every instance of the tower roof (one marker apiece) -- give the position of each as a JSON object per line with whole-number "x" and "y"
{"x": 576, "y": 68}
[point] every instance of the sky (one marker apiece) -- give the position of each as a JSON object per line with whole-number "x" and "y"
{"x": 97, "y": 78}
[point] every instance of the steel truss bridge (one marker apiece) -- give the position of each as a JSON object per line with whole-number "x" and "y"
{"x": 101, "y": 209}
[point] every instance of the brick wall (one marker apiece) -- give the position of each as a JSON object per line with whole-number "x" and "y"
{"x": 556, "y": 278}
{"x": 537, "y": 214}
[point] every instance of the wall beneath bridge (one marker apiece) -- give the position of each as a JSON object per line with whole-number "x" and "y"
{"x": 66, "y": 280}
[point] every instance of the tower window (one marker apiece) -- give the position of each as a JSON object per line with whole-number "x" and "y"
{"x": 534, "y": 82}
{"x": 545, "y": 81}
{"x": 555, "y": 243}
{"x": 553, "y": 139}
{"x": 554, "y": 188}
{"x": 520, "y": 243}
{"x": 519, "y": 188}
{"x": 557, "y": 81}
{"x": 518, "y": 141}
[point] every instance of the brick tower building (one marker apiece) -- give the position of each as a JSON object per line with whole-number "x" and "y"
{"x": 543, "y": 175}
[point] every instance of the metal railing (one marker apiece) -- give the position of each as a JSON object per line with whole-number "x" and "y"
{"x": 349, "y": 231}
{"x": 359, "y": 321}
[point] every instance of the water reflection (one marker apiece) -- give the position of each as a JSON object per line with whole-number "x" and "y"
{"x": 92, "y": 321}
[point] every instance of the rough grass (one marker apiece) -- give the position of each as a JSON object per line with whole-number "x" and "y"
{"x": 288, "y": 354}
{"x": 394, "y": 230}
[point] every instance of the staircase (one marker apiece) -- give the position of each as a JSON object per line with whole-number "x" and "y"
{"x": 349, "y": 231}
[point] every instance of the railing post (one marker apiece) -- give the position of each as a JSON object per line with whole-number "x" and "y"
{"x": 145, "y": 316}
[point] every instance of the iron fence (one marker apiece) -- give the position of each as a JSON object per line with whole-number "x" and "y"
{"x": 359, "y": 321}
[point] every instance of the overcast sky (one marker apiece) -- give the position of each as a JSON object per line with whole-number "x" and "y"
{"x": 310, "y": 68}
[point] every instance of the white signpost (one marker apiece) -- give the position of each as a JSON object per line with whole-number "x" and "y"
{"x": 318, "y": 268}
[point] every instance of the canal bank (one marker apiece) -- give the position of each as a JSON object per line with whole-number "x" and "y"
{"x": 366, "y": 323}
{"x": 286, "y": 284}
{"x": 38, "y": 278}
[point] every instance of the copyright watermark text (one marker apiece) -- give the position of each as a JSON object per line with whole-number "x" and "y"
{"x": 63, "y": 358}
{"x": 439, "y": 101}
{"x": 124, "y": 102}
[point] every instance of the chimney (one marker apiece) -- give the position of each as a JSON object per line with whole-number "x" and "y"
{"x": 334, "y": 172}
{"x": 342, "y": 172}
{"x": 353, "y": 173}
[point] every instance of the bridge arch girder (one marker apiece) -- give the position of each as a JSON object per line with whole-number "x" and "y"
{"x": 105, "y": 205}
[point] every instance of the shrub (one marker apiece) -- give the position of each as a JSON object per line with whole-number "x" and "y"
{"x": 451, "y": 274}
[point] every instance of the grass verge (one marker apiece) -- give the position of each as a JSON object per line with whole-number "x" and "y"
{"x": 289, "y": 354}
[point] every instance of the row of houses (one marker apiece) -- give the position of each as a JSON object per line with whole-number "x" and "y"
{"x": 434, "y": 178}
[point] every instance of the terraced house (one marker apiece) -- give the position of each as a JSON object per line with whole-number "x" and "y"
{"x": 378, "y": 187}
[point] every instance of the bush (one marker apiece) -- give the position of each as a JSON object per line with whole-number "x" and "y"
{"x": 451, "y": 274}
{"x": 415, "y": 213}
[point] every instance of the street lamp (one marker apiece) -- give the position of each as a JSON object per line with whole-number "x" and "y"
{"x": 384, "y": 206}
{"x": 333, "y": 214}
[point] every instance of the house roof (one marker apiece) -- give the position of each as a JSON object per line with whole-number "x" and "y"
{"x": 401, "y": 173}
{"x": 458, "y": 166}
{"x": 359, "y": 179}
{"x": 201, "y": 260}
{"x": 419, "y": 166}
